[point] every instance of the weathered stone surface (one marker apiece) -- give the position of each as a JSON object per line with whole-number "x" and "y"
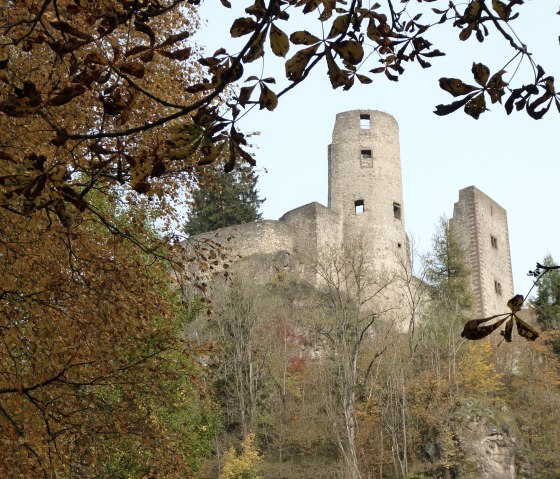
{"x": 365, "y": 208}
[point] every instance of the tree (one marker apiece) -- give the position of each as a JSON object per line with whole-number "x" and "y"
{"x": 91, "y": 355}
{"x": 224, "y": 199}
{"x": 119, "y": 91}
{"x": 352, "y": 305}
{"x": 447, "y": 270}
{"x": 547, "y": 300}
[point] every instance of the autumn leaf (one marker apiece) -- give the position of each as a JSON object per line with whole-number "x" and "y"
{"x": 337, "y": 77}
{"x": 295, "y": 66}
{"x": 303, "y": 38}
{"x": 66, "y": 95}
{"x": 455, "y": 86}
{"x": 476, "y": 106}
{"x": 243, "y": 26}
{"x": 268, "y": 98}
{"x": 351, "y": 50}
{"x": 481, "y": 73}
{"x": 279, "y": 42}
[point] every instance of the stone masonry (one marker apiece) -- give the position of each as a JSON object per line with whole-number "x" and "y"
{"x": 365, "y": 207}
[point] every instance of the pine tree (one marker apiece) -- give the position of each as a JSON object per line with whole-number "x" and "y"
{"x": 227, "y": 199}
{"x": 547, "y": 301}
{"x": 448, "y": 272}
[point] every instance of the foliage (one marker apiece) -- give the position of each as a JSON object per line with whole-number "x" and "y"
{"x": 547, "y": 299}
{"x": 224, "y": 199}
{"x": 90, "y": 355}
{"x": 245, "y": 465}
{"x": 447, "y": 271}
{"x": 118, "y": 90}
{"x": 477, "y": 373}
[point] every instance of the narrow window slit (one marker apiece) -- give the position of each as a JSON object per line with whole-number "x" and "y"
{"x": 359, "y": 207}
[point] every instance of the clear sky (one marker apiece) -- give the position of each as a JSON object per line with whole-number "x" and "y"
{"x": 513, "y": 159}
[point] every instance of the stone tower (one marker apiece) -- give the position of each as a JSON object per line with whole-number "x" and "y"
{"x": 365, "y": 185}
{"x": 481, "y": 226}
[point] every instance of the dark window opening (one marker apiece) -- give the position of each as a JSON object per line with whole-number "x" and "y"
{"x": 498, "y": 288}
{"x": 359, "y": 207}
{"x": 494, "y": 241}
{"x": 397, "y": 210}
{"x": 366, "y": 159}
{"x": 399, "y": 245}
{"x": 365, "y": 121}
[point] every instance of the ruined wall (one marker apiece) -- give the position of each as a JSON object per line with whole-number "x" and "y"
{"x": 481, "y": 226}
{"x": 366, "y": 209}
{"x": 313, "y": 227}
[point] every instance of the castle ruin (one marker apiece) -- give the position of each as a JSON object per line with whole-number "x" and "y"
{"x": 365, "y": 207}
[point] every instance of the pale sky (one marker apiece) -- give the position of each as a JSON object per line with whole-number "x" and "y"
{"x": 513, "y": 159}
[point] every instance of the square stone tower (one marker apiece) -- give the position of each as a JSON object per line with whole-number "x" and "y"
{"x": 481, "y": 226}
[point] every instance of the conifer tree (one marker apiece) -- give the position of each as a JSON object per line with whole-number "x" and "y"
{"x": 447, "y": 269}
{"x": 226, "y": 199}
{"x": 547, "y": 301}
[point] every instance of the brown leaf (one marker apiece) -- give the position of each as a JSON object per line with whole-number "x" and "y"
{"x": 245, "y": 94}
{"x": 339, "y": 26}
{"x": 364, "y": 79}
{"x": 145, "y": 28}
{"x": 95, "y": 58}
{"x": 137, "y": 49}
{"x": 295, "y": 66}
{"x": 268, "y": 98}
{"x": 474, "y": 331}
{"x": 243, "y": 26}
{"x": 442, "y": 110}
{"x": 476, "y": 106}
{"x": 181, "y": 54}
{"x": 303, "y": 37}
{"x": 135, "y": 69}
{"x": 336, "y": 75}
{"x": 524, "y": 330}
{"x": 501, "y": 9}
{"x": 175, "y": 38}
{"x": 455, "y": 86}
{"x": 351, "y": 50}
{"x": 66, "y": 95}
{"x": 67, "y": 28}
{"x": 257, "y": 48}
{"x": 496, "y": 86}
{"x": 279, "y": 42}
{"x": 481, "y": 73}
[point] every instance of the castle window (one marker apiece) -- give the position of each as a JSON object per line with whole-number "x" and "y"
{"x": 359, "y": 207}
{"x": 497, "y": 287}
{"x": 366, "y": 159}
{"x": 494, "y": 241}
{"x": 365, "y": 121}
{"x": 399, "y": 245}
{"x": 397, "y": 210}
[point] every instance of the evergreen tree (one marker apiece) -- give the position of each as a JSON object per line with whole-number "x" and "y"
{"x": 447, "y": 269}
{"x": 547, "y": 301}
{"x": 226, "y": 199}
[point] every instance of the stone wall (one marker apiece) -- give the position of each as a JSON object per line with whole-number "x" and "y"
{"x": 481, "y": 226}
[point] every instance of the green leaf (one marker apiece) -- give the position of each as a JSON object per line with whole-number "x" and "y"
{"x": 481, "y": 73}
{"x": 279, "y": 42}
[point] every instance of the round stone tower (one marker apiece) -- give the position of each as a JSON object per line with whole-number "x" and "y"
{"x": 365, "y": 184}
